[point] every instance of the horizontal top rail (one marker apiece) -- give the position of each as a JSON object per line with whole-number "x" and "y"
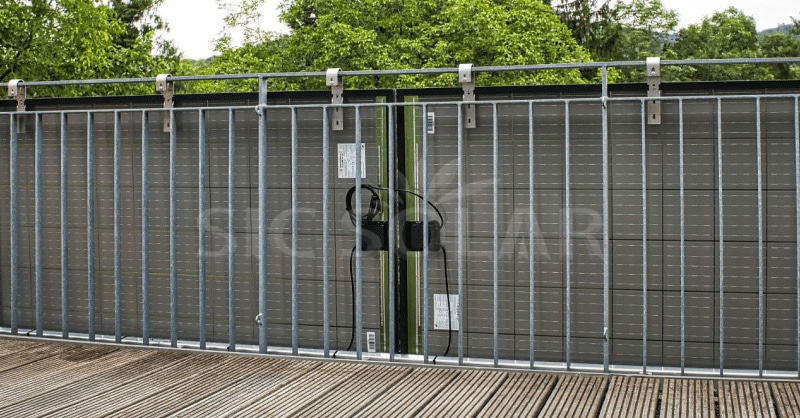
{"x": 417, "y": 71}
{"x": 414, "y": 104}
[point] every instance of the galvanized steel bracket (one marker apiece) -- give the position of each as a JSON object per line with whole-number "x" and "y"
{"x": 17, "y": 91}
{"x": 468, "y": 84}
{"x": 335, "y": 82}
{"x": 653, "y": 65}
{"x": 167, "y": 89}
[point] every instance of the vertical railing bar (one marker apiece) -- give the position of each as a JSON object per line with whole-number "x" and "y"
{"x": 461, "y": 266}
{"x": 359, "y": 236}
{"x": 173, "y": 232}
{"x": 392, "y": 229}
{"x": 721, "y": 239}
{"x": 231, "y": 230}
{"x": 117, "y": 232}
{"x": 145, "y": 234}
{"x": 262, "y": 215}
{"x": 326, "y": 341}
{"x": 201, "y": 224}
{"x": 797, "y": 220}
{"x": 606, "y": 273}
{"x": 644, "y": 235}
{"x": 38, "y": 199}
{"x": 760, "y": 243}
{"x": 425, "y": 255}
{"x": 568, "y": 240}
{"x": 13, "y": 177}
{"x": 64, "y": 226}
{"x": 495, "y": 239}
{"x": 532, "y": 239}
{"x": 682, "y": 232}
{"x": 90, "y": 221}
{"x": 295, "y": 196}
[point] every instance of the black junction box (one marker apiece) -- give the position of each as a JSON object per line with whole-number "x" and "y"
{"x": 375, "y": 236}
{"x": 414, "y": 238}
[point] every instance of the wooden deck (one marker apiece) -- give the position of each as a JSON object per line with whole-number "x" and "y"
{"x": 46, "y": 378}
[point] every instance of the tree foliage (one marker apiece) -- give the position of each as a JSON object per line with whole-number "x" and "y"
{"x": 75, "y": 39}
{"x": 381, "y": 34}
{"x": 732, "y": 34}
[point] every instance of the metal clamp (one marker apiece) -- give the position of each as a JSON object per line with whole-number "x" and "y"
{"x": 468, "y": 84}
{"x": 17, "y": 91}
{"x": 653, "y": 65}
{"x": 335, "y": 82}
{"x": 167, "y": 89}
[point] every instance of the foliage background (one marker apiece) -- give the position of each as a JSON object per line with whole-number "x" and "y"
{"x": 80, "y": 39}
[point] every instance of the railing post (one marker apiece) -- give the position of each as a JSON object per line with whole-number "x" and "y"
{"x": 262, "y": 216}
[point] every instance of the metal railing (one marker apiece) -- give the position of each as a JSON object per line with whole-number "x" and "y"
{"x": 264, "y": 110}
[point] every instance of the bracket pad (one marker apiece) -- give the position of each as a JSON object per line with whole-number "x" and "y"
{"x": 335, "y": 82}
{"x": 167, "y": 89}
{"x": 467, "y": 81}
{"x": 17, "y": 92}
{"x": 653, "y": 90}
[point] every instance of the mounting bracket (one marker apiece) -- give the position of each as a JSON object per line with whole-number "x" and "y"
{"x": 467, "y": 81}
{"x": 167, "y": 89}
{"x": 653, "y": 65}
{"x": 17, "y": 91}
{"x": 335, "y": 82}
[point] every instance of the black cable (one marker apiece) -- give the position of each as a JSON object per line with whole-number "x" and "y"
{"x": 438, "y": 212}
{"x": 352, "y": 300}
{"x": 449, "y": 313}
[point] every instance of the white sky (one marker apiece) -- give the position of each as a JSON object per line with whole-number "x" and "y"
{"x": 194, "y": 24}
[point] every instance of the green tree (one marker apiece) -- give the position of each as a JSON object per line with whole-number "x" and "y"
{"x": 76, "y": 39}
{"x": 643, "y": 30}
{"x": 593, "y": 24}
{"x": 381, "y": 34}
{"x": 619, "y": 31}
{"x": 726, "y": 34}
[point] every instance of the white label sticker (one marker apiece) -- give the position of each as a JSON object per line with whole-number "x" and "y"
{"x": 347, "y": 161}
{"x": 431, "y": 123}
{"x": 371, "y": 343}
{"x": 440, "y": 312}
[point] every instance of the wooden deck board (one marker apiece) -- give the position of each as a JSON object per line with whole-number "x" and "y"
{"x": 628, "y": 395}
{"x": 576, "y": 395}
{"x": 687, "y": 398}
{"x": 523, "y": 394}
{"x": 48, "y": 378}
{"x": 746, "y": 398}
{"x": 787, "y": 399}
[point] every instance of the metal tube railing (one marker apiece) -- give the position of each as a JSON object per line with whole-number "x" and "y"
{"x": 461, "y": 138}
{"x": 419, "y": 71}
{"x": 14, "y": 180}
{"x": 173, "y": 230}
{"x": 326, "y": 274}
{"x": 643, "y": 124}
{"x": 797, "y": 218}
{"x": 359, "y": 299}
{"x": 262, "y": 216}
{"x": 64, "y": 230}
{"x": 201, "y": 226}
{"x": 145, "y": 231}
{"x": 231, "y": 230}
{"x": 38, "y": 225}
{"x": 90, "y": 280}
{"x": 683, "y": 236}
{"x": 567, "y": 241}
{"x": 721, "y": 238}
{"x": 425, "y": 238}
{"x": 532, "y": 242}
